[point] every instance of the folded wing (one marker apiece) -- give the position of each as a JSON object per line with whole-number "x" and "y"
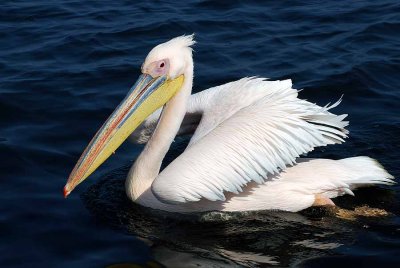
{"x": 249, "y": 129}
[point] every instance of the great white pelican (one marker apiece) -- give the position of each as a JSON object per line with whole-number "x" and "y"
{"x": 244, "y": 154}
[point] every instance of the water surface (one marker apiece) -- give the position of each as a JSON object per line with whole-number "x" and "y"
{"x": 64, "y": 67}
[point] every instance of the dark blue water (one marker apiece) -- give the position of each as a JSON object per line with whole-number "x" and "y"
{"x": 65, "y": 65}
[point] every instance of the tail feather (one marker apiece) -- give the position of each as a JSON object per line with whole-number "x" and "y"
{"x": 366, "y": 171}
{"x": 298, "y": 186}
{"x": 361, "y": 171}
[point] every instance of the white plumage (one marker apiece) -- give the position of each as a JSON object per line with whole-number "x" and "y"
{"x": 244, "y": 154}
{"x": 243, "y": 141}
{"x": 248, "y": 135}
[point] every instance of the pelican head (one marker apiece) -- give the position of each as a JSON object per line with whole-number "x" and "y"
{"x": 163, "y": 74}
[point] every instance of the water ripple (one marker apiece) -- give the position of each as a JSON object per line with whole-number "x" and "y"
{"x": 66, "y": 64}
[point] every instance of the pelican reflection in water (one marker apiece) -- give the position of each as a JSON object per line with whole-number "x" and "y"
{"x": 248, "y": 136}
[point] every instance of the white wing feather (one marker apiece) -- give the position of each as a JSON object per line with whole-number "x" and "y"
{"x": 261, "y": 127}
{"x": 220, "y": 103}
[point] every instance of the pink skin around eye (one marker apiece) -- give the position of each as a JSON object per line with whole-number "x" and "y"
{"x": 157, "y": 68}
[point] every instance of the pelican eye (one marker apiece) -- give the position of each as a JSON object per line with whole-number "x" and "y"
{"x": 162, "y": 64}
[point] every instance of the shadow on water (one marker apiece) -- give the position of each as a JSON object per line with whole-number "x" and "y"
{"x": 262, "y": 238}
